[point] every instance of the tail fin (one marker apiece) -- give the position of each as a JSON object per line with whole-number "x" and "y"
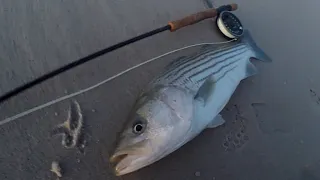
{"x": 259, "y": 54}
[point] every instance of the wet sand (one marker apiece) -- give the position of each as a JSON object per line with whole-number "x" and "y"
{"x": 272, "y": 119}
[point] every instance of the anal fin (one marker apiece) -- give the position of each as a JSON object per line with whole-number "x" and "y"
{"x": 217, "y": 121}
{"x": 259, "y": 54}
{"x": 250, "y": 70}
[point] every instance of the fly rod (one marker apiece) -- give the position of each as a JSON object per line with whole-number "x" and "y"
{"x": 171, "y": 26}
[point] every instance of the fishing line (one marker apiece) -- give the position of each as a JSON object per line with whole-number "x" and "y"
{"x": 37, "y": 108}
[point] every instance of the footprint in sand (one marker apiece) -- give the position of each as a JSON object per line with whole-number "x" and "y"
{"x": 237, "y": 137}
{"x": 71, "y": 129}
{"x": 315, "y": 96}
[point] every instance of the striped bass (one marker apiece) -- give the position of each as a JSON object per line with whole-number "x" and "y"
{"x": 183, "y": 101}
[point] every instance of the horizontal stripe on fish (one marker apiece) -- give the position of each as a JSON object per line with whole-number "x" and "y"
{"x": 194, "y": 60}
{"x": 194, "y": 57}
{"x": 213, "y": 73}
{"x": 202, "y": 58}
{"x": 225, "y": 73}
{"x": 210, "y": 64}
{"x": 182, "y": 60}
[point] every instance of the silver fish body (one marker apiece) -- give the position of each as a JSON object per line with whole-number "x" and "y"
{"x": 184, "y": 100}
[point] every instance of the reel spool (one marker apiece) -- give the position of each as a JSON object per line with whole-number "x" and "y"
{"x": 229, "y": 25}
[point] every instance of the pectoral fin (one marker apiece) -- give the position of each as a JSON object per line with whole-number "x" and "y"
{"x": 205, "y": 91}
{"x": 217, "y": 121}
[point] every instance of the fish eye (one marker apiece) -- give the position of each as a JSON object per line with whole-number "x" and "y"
{"x": 138, "y": 127}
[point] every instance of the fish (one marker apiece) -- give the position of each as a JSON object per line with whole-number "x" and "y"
{"x": 186, "y": 98}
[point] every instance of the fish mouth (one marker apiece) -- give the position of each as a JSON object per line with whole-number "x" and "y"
{"x": 118, "y": 160}
{"x": 130, "y": 158}
{"x": 124, "y": 162}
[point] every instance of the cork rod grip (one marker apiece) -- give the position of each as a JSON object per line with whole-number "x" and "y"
{"x": 195, "y": 18}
